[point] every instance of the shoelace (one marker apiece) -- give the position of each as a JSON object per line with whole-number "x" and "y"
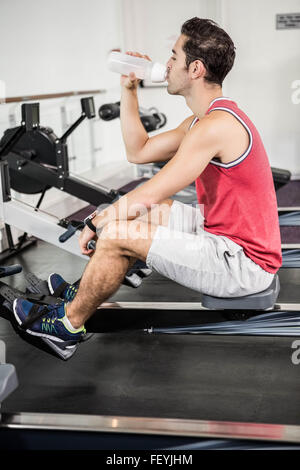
{"x": 51, "y": 313}
{"x": 70, "y": 293}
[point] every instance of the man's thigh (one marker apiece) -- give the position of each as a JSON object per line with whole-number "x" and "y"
{"x": 186, "y": 258}
{"x": 207, "y": 263}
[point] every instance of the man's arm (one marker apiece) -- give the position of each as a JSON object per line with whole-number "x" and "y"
{"x": 162, "y": 147}
{"x": 140, "y": 148}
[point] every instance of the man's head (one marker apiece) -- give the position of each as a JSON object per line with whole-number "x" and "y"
{"x": 203, "y": 51}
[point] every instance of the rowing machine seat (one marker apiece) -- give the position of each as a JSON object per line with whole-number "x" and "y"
{"x": 260, "y": 301}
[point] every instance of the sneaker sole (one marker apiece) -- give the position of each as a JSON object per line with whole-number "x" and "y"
{"x": 51, "y": 290}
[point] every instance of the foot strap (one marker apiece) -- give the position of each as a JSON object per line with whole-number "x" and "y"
{"x": 59, "y": 290}
{"x": 10, "y": 294}
{"x": 40, "y": 298}
{"x": 35, "y": 313}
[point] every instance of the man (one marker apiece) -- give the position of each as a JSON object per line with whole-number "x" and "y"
{"x": 236, "y": 252}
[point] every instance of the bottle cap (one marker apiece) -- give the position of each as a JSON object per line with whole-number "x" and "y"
{"x": 158, "y": 73}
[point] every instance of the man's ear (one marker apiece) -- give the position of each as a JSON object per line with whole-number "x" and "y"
{"x": 197, "y": 69}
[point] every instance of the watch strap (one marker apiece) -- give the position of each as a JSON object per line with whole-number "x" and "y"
{"x": 88, "y": 221}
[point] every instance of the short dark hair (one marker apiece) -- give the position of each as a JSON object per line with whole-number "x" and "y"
{"x": 209, "y": 43}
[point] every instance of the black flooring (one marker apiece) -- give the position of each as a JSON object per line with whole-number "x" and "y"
{"x": 123, "y": 370}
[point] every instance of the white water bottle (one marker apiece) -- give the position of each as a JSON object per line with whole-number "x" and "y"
{"x": 142, "y": 68}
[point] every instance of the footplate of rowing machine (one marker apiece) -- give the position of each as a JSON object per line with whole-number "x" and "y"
{"x": 261, "y": 301}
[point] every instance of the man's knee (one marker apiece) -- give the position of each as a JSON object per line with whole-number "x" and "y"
{"x": 114, "y": 230}
{"x": 158, "y": 214}
{"x": 129, "y": 238}
{"x": 126, "y": 230}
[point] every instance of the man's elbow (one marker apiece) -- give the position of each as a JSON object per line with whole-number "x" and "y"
{"x": 138, "y": 156}
{"x": 152, "y": 200}
{"x": 132, "y": 158}
{"x": 145, "y": 203}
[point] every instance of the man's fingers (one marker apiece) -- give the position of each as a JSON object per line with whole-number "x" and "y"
{"x": 138, "y": 54}
{"x": 132, "y": 76}
{"x": 85, "y": 251}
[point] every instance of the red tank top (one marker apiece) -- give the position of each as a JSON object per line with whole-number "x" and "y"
{"x": 239, "y": 197}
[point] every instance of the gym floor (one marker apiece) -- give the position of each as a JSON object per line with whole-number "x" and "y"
{"x": 125, "y": 371}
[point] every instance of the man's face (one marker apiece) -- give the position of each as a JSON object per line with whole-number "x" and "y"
{"x": 177, "y": 74}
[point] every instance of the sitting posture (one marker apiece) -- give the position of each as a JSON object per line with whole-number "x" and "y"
{"x": 227, "y": 245}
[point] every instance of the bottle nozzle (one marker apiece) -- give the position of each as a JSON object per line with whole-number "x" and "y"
{"x": 158, "y": 73}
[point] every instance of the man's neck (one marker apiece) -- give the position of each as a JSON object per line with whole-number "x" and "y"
{"x": 199, "y": 99}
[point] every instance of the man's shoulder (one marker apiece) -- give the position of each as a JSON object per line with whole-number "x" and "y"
{"x": 208, "y": 124}
{"x": 187, "y": 123}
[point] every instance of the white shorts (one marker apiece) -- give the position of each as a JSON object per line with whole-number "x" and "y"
{"x": 211, "y": 264}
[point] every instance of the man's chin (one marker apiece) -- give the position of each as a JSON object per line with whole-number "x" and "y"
{"x": 171, "y": 91}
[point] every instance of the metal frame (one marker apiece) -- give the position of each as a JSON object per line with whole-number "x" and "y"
{"x": 292, "y": 215}
{"x": 89, "y": 192}
{"x": 37, "y": 223}
{"x": 128, "y": 307}
{"x": 57, "y": 176}
{"x": 152, "y": 426}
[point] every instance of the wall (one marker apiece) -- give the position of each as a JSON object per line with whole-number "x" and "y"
{"x": 58, "y": 46}
{"x": 49, "y": 47}
{"x": 152, "y": 28}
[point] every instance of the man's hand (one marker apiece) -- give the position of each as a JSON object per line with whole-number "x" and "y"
{"x": 131, "y": 82}
{"x": 86, "y": 235}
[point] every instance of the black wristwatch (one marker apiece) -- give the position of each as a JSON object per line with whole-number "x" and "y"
{"x": 88, "y": 221}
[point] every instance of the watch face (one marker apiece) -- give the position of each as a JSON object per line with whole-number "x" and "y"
{"x": 90, "y": 217}
{"x": 93, "y": 215}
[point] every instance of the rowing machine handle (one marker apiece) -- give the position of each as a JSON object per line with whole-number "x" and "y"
{"x": 72, "y": 228}
{"x": 91, "y": 245}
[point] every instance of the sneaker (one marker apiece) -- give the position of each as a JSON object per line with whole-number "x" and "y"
{"x": 46, "y": 321}
{"x": 58, "y": 287}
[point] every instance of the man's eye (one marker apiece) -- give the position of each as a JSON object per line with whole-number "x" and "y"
{"x": 173, "y": 58}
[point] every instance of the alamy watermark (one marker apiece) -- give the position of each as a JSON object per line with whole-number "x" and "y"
{"x": 296, "y": 354}
{"x": 296, "y": 93}
{"x": 137, "y": 221}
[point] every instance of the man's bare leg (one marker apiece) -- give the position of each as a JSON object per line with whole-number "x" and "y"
{"x": 157, "y": 216}
{"x": 118, "y": 243}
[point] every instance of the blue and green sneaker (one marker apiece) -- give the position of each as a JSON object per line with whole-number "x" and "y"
{"x": 58, "y": 287}
{"x": 50, "y": 323}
